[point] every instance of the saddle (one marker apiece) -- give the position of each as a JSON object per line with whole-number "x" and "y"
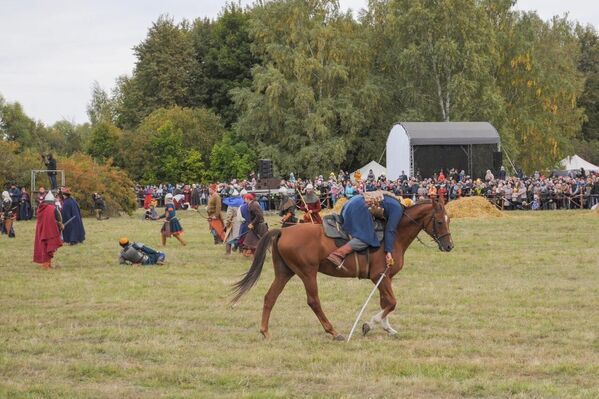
{"x": 332, "y": 228}
{"x": 332, "y": 225}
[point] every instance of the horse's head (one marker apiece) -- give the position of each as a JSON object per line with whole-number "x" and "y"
{"x": 438, "y": 227}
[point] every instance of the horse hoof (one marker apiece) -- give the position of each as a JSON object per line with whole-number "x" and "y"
{"x": 393, "y": 334}
{"x": 265, "y": 335}
{"x": 366, "y": 328}
{"x": 339, "y": 337}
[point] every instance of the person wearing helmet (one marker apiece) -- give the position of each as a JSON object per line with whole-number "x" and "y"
{"x": 134, "y": 253}
{"x": 47, "y": 232}
{"x": 287, "y": 208}
{"x": 310, "y": 203}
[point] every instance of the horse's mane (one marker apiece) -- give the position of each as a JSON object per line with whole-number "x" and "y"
{"x": 423, "y": 202}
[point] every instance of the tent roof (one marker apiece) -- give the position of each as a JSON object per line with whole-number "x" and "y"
{"x": 576, "y": 162}
{"x": 450, "y": 133}
{"x": 376, "y": 167}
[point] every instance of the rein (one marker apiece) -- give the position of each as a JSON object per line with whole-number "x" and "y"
{"x": 423, "y": 226}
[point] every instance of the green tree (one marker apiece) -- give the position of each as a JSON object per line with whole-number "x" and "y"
{"x": 589, "y": 66}
{"x": 162, "y": 74}
{"x": 541, "y": 84}
{"x": 104, "y": 141}
{"x": 101, "y": 108}
{"x": 224, "y": 60}
{"x": 441, "y": 55}
{"x": 16, "y": 126}
{"x": 311, "y": 100}
{"x": 146, "y": 149}
{"x": 231, "y": 159}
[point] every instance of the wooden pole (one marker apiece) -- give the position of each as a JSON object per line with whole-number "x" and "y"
{"x": 307, "y": 210}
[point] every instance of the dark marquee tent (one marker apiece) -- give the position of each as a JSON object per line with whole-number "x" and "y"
{"x": 430, "y": 146}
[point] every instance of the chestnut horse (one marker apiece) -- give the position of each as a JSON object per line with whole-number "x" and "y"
{"x": 302, "y": 250}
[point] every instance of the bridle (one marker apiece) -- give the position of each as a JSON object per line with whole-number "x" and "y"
{"x": 423, "y": 226}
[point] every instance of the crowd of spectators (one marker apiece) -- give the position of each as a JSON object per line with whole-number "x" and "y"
{"x": 574, "y": 190}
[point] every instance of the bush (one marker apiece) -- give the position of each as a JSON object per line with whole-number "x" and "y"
{"x": 84, "y": 177}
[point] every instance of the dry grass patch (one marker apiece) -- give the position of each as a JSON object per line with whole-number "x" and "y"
{"x": 511, "y": 312}
{"x": 472, "y": 207}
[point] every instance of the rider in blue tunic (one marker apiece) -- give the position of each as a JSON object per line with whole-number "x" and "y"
{"x": 358, "y": 222}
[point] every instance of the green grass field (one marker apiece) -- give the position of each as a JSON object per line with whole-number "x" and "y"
{"x": 513, "y": 311}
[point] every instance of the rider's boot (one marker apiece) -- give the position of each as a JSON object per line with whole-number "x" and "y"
{"x": 338, "y": 255}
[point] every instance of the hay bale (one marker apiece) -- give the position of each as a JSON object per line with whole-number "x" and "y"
{"x": 472, "y": 207}
{"x": 336, "y": 209}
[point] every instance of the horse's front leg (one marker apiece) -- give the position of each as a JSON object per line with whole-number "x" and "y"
{"x": 388, "y": 302}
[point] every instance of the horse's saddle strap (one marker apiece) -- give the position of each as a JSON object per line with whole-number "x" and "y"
{"x": 359, "y": 274}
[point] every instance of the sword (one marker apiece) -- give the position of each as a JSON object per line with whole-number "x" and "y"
{"x": 383, "y": 275}
{"x": 68, "y": 221}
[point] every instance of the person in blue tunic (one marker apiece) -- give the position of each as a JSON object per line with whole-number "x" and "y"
{"x": 25, "y": 211}
{"x": 244, "y": 210}
{"x": 171, "y": 226}
{"x": 358, "y": 222}
{"x": 74, "y": 232}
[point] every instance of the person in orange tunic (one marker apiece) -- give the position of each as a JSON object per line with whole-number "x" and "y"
{"x": 215, "y": 219}
{"x": 47, "y": 232}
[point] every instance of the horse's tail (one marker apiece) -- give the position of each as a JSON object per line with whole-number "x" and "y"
{"x": 250, "y": 278}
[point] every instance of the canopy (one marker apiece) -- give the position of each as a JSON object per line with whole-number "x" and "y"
{"x": 576, "y": 162}
{"x": 450, "y": 133}
{"x": 376, "y": 167}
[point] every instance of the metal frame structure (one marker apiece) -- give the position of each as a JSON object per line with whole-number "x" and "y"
{"x": 34, "y": 173}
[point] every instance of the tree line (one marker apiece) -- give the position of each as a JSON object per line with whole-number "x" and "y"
{"x": 315, "y": 89}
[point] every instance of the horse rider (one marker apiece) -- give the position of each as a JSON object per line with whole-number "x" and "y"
{"x": 359, "y": 215}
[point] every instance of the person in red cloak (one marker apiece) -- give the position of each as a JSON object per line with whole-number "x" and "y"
{"x": 47, "y": 232}
{"x": 148, "y": 200}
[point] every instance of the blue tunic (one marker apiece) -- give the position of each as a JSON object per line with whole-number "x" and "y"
{"x": 171, "y": 217}
{"x": 359, "y": 223}
{"x": 73, "y": 232}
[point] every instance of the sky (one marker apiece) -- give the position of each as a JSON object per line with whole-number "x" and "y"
{"x": 51, "y": 52}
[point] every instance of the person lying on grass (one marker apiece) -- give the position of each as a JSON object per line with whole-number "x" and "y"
{"x": 134, "y": 253}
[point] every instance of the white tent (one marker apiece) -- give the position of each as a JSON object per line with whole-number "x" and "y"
{"x": 576, "y": 162}
{"x": 376, "y": 167}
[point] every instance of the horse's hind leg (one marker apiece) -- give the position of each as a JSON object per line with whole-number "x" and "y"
{"x": 271, "y": 298}
{"x": 314, "y": 302}
{"x": 282, "y": 276}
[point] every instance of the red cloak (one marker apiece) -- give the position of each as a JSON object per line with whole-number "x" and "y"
{"x": 148, "y": 201}
{"x": 47, "y": 235}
